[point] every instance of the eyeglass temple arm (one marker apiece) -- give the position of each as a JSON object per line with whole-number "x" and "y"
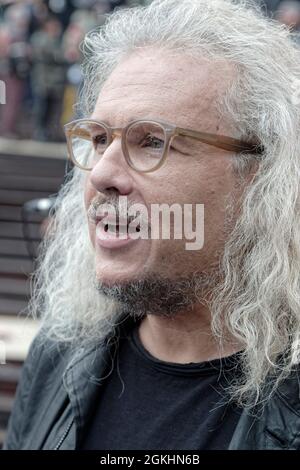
{"x": 78, "y": 133}
{"x": 221, "y": 141}
{"x": 85, "y": 135}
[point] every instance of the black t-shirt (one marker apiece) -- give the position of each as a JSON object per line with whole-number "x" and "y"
{"x": 149, "y": 404}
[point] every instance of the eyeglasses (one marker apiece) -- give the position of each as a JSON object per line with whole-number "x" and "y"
{"x": 145, "y": 143}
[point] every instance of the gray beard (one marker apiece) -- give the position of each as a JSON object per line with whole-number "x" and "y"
{"x": 159, "y": 296}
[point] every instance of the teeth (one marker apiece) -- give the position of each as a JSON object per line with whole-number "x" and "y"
{"x": 116, "y": 228}
{"x": 113, "y": 228}
{"x": 110, "y": 228}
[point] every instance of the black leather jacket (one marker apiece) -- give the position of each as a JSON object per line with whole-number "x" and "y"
{"x": 54, "y": 402}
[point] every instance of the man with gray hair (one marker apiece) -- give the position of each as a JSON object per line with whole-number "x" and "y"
{"x": 146, "y": 342}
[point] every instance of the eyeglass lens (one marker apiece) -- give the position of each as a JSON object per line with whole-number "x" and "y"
{"x": 145, "y": 142}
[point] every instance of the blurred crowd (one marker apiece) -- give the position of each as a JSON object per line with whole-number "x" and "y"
{"x": 39, "y": 62}
{"x": 40, "y": 59}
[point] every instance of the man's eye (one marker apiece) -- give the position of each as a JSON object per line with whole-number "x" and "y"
{"x": 100, "y": 139}
{"x": 153, "y": 142}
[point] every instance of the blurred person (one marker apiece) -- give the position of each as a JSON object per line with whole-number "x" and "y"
{"x": 16, "y": 16}
{"x": 144, "y": 343}
{"x": 288, "y": 13}
{"x": 62, "y": 9}
{"x": 15, "y": 59}
{"x": 4, "y": 63}
{"x": 48, "y": 78}
{"x": 81, "y": 22}
{"x": 38, "y": 12}
{"x": 70, "y": 43}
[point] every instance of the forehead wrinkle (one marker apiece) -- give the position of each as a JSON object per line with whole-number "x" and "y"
{"x": 150, "y": 91}
{"x": 153, "y": 102}
{"x": 182, "y": 85}
{"x": 123, "y": 113}
{"x": 127, "y": 95}
{"x": 187, "y": 114}
{"x": 168, "y": 79}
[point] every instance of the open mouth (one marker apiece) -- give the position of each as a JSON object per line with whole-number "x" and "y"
{"x": 116, "y": 228}
{"x": 121, "y": 226}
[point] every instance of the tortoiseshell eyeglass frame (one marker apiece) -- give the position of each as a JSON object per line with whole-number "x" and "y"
{"x": 170, "y": 130}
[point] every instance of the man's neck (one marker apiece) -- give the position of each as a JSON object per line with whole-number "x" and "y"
{"x": 183, "y": 338}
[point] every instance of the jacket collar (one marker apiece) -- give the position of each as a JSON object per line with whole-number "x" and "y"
{"x": 276, "y": 425}
{"x": 84, "y": 377}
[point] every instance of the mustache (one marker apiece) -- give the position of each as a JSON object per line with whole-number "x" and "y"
{"x": 98, "y": 201}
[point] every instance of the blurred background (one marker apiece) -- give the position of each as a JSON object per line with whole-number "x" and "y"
{"x": 40, "y": 62}
{"x": 40, "y": 77}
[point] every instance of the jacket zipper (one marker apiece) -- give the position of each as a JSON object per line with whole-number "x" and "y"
{"x": 58, "y": 445}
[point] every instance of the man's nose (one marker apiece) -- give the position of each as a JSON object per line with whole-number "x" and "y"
{"x": 112, "y": 170}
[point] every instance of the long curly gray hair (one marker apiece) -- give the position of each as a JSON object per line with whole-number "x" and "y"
{"x": 259, "y": 298}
